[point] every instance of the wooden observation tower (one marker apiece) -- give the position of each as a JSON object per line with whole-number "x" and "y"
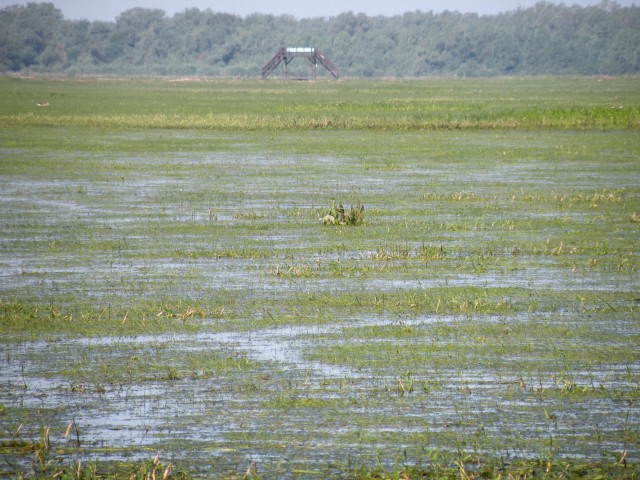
{"x": 284, "y": 56}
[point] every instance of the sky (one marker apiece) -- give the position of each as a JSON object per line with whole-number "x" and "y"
{"x": 108, "y": 10}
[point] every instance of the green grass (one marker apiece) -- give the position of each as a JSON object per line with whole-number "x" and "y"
{"x": 507, "y": 103}
{"x": 168, "y": 282}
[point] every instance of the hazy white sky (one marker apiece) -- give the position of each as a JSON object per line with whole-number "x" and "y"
{"x": 109, "y": 9}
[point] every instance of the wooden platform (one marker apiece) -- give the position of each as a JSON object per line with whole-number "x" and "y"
{"x": 284, "y": 56}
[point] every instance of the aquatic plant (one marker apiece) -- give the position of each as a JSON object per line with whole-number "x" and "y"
{"x": 337, "y": 215}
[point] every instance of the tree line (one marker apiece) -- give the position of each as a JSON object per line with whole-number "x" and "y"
{"x": 543, "y": 39}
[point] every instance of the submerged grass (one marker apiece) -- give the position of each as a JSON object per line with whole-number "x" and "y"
{"x": 167, "y": 282}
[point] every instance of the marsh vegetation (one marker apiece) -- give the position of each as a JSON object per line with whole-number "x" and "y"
{"x": 172, "y": 303}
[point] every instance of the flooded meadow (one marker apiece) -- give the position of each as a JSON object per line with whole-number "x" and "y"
{"x": 176, "y": 293}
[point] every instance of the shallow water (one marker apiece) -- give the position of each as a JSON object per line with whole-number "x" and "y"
{"x": 244, "y": 224}
{"x": 215, "y": 409}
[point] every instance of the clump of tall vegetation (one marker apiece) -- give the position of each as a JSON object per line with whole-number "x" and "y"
{"x": 338, "y": 215}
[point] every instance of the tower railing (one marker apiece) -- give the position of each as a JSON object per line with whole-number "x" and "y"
{"x": 284, "y": 56}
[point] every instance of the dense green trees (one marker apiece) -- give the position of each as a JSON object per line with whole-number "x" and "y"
{"x": 544, "y": 39}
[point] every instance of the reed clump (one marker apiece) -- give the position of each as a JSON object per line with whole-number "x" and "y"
{"x": 338, "y": 215}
